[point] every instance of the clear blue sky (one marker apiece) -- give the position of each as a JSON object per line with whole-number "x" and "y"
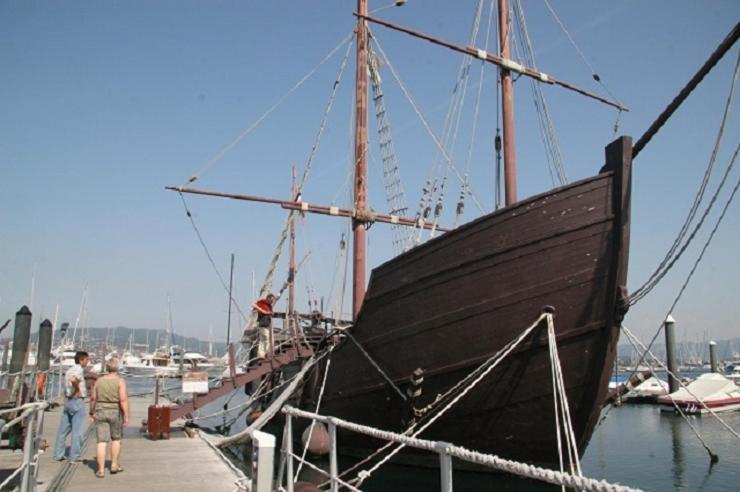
{"x": 102, "y": 104}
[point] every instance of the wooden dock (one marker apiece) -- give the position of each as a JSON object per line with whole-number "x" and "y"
{"x": 180, "y": 463}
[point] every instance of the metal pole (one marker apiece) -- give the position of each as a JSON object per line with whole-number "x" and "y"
{"x": 27, "y": 454}
{"x": 713, "y": 356}
{"x": 507, "y": 106}
{"x": 358, "y": 226}
{"x": 445, "y": 468}
{"x": 289, "y": 452}
{"x": 670, "y": 351}
{"x": 231, "y": 285}
{"x": 333, "y": 466}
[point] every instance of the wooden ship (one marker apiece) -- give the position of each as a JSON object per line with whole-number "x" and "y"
{"x": 444, "y": 307}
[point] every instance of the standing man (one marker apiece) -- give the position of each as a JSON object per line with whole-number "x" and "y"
{"x": 73, "y": 415}
{"x": 263, "y": 308}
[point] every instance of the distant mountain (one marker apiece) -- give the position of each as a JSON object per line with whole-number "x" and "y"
{"x": 142, "y": 338}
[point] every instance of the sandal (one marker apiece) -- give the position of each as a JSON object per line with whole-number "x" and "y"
{"x": 99, "y": 474}
{"x": 117, "y": 469}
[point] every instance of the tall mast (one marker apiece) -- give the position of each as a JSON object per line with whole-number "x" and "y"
{"x": 291, "y": 267}
{"x": 507, "y": 105}
{"x": 358, "y": 226}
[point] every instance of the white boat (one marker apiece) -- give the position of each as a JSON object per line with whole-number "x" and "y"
{"x": 714, "y": 390}
{"x": 194, "y": 361}
{"x": 648, "y": 390}
{"x": 151, "y": 365}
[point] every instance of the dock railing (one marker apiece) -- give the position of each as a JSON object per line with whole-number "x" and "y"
{"x": 446, "y": 452}
{"x": 30, "y": 415}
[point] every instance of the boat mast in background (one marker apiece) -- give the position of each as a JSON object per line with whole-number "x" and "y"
{"x": 507, "y": 105}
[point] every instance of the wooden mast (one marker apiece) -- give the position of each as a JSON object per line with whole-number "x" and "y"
{"x": 358, "y": 226}
{"x": 507, "y": 105}
{"x": 291, "y": 267}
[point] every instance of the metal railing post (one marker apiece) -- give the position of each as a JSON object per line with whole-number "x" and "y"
{"x": 28, "y": 453}
{"x": 333, "y": 467}
{"x": 289, "y": 452}
{"x": 445, "y": 467}
{"x": 37, "y": 438}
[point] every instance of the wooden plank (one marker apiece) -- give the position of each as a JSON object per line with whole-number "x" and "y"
{"x": 179, "y": 464}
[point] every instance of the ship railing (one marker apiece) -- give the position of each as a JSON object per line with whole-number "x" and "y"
{"x": 31, "y": 417}
{"x": 445, "y": 450}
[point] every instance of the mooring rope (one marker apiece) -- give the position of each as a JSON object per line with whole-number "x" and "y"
{"x": 465, "y": 391}
{"x": 316, "y": 410}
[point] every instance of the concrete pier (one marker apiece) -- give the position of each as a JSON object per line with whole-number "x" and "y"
{"x": 181, "y": 463}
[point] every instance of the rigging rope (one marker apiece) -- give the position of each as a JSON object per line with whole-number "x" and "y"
{"x": 269, "y": 111}
{"x": 691, "y": 273}
{"x": 375, "y": 365}
{"x": 659, "y": 271}
{"x": 546, "y": 126}
{"x": 594, "y": 74}
{"x": 267, "y": 284}
{"x": 428, "y": 128}
{"x": 208, "y": 254}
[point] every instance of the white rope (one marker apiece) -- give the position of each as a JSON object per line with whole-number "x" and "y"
{"x": 272, "y": 108}
{"x": 492, "y": 461}
{"x": 561, "y": 404}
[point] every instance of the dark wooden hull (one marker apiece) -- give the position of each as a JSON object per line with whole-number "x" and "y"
{"x": 448, "y": 305}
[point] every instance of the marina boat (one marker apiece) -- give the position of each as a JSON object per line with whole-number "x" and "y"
{"x": 647, "y": 391}
{"x": 714, "y": 390}
{"x": 156, "y": 364}
{"x": 732, "y": 370}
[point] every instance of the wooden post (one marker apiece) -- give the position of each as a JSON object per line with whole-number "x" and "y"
{"x": 713, "y": 356}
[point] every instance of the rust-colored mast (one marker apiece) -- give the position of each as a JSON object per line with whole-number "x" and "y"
{"x": 507, "y": 105}
{"x": 358, "y": 226}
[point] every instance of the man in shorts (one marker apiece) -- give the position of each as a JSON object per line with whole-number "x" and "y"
{"x": 109, "y": 410}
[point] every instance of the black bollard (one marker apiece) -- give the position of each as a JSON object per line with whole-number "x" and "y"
{"x": 713, "y": 356}
{"x": 21, "y": 336}
{"x": 44, "y": 346}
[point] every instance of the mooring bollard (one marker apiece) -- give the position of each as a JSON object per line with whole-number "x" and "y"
{"x": 43, "y": 354}
{"x": 713, "y": 356}
{"x": 21, "y": 336}
{"x": 670, "y": 353}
